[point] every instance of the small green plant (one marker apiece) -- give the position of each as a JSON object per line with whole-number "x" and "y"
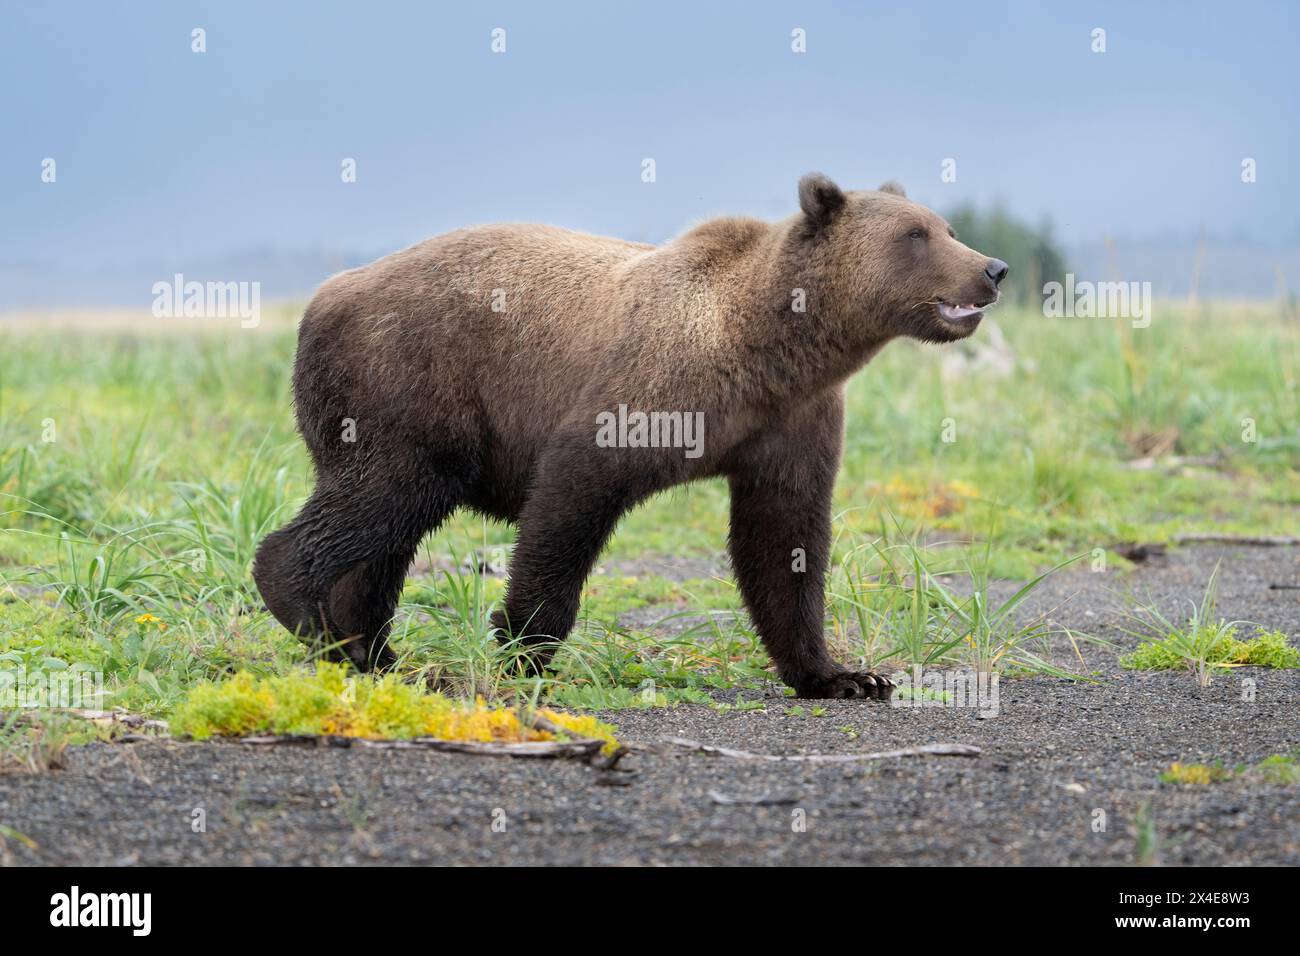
{"x": 1197, "y": 645}
{"x": 990, "y": 634}
{"x": 923, "y": 693}
{"x": 9, "y": 833}
{"x": 1146, "y": 838}
{"x": 740, "y": 704}
{"x": 1205, "y": 643}
{"x": 1267, "y": 649}
{"x": 35, "y": 742}
{"x": 1278, "y": 769}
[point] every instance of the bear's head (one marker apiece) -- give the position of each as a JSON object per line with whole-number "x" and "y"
{"x": 887, "y": 266}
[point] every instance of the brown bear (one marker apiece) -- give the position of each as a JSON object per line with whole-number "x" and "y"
{"x": 555, "y": 380}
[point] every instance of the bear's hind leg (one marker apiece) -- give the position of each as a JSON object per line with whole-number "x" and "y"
{"x": 276, "y": 571}
{"x": 334, "y": 573}
{"x": 362, "y": 603}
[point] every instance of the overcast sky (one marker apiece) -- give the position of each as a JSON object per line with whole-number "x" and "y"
{"x": 165, "y": 153}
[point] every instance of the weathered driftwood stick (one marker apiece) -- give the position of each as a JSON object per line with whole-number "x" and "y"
{"x": 496, "y": 748}
{"x": 596, "y": 758}
{"x": 570, "y": 746}
{"x": 1174, "y": 462}
{"x": 103, "y": 717}
{"x": 762, "y": 800}
{"x": 1262, "y": 541}
{"x": 928, "y": 750}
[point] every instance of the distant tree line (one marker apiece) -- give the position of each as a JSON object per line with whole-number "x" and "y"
{"x": 1032, "y": 253}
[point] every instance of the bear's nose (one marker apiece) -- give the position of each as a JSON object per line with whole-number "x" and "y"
{"x": 996, "y": 270}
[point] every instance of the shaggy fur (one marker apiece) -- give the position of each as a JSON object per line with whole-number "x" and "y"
{"x": 451, "y": 402}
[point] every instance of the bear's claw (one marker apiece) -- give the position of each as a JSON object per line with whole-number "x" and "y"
{"x": 848, "y": 685}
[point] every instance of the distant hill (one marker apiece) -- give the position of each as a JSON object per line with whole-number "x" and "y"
{"x": 283, "y": 275}
{"x": 1237, "y": 270}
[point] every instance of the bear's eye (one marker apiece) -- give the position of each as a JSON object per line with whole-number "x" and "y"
{"x": 917, "y": 234}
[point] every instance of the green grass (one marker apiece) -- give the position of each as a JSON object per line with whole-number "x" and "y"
{"x": 910, "y": 606}
{"x": 1147, "y": 841}
{"x": 1205, "y": 642}
{"x": 140, "y": 469}
{"x": 35, "y": 742}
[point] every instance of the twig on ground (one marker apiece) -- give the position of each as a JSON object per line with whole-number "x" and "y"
{"x": 569, "y": 746}
{"x": 597, "y": 759}
{"x": 495, "y": 748}
{"x": 1174, "y": 462}
{"x": 927, "y": 750}
{"x": 104, "y": 718}
{"x": 763, "y": 800}
{"x": 1262, "y": 541}
{"x": 1138, "y": 552}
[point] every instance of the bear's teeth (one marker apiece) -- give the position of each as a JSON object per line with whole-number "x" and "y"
{"x": 954, "y": 312}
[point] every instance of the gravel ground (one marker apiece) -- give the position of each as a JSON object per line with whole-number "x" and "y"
{"x": 1059, "y": 760}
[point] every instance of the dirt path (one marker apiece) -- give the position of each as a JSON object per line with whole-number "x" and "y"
{"x": 1057, "y": 759}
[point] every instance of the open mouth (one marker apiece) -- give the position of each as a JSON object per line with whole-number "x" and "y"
{"x": 959, "y": 313}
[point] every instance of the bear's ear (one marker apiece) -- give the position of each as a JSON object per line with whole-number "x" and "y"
{"x": 819, "y": 198}
{"x": 893, "y": 187}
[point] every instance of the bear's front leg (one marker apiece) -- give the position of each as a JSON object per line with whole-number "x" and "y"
{"x": 577, "y": 496}
{"x": 781, "y": 485}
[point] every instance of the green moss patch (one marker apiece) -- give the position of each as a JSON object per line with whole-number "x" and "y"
{"x": 1266, "y": 649}
{"x": 332, "y": 701}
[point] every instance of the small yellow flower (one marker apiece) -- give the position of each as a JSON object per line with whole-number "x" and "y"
{"x": 1195, "y": 774}
{"x": 150, "y": 619}
{"x": 963, "y": 488}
